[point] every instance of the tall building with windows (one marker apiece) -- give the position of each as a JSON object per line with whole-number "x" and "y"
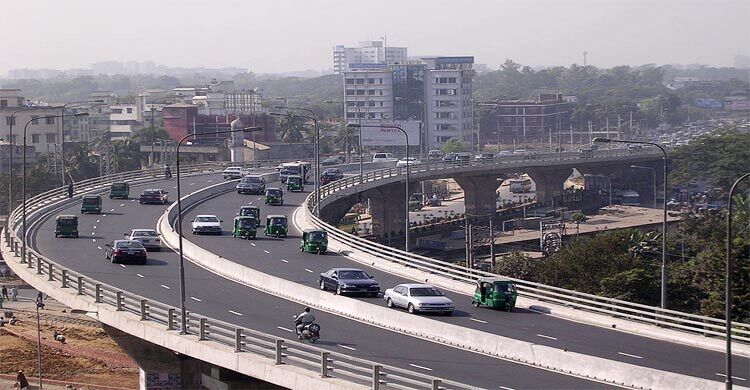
{"x": 433, "y": 90}
{"x": 369, "y": 52}
{"x": 42, "y": 134}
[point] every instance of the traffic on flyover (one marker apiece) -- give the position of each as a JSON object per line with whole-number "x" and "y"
{"x": 215, "y": 297}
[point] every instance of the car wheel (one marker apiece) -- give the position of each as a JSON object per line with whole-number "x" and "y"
{"x": 448, "y": 313}
{"x": 56, "y": 235}
{"x": 389, "y": 303}
{"x": 75, "y": 235}
{"x": 158, "y": 249}
{"x": 475, "y": 303}
{"x": 411, "y": 309}
{"x": 338, "y": 290}
{"x": 302, "y": 249}
{"x": 322, "y": 285}
{"x": 374, "y": 295}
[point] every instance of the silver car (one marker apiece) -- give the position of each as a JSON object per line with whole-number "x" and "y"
{"x": 149, "y": 238}
{"x": 418, "y": 298}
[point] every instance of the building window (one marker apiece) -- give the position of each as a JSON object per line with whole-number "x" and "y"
{"x": 371, "y": 103}
{"x": 130, "y": 110}
{"x": 445, "y": 80}
{"x": 372, "y": 115}
{"x": 4, "y": 103}
{"x": 34, "y": 119}
{"x": 443, "y": 92}
{"x": 51, "y": 138}
{"x": 350, "y": 115}
{"x": 10, "y": 120}
{"x": 360, "y": 92}
{"x": 35, "y": 138}
{"x": 445, "y": 115}
{"x": 360, "y": 81}
{"x": 444, "y": 138}
{"x": 370, "y": 81}
{"x": 350, "y": 92}
{"x": 445, "y": 127}
{"x": 49, "y": 121}
{"x": 350, "y": 81}
{"x": 444, "y": 103}
{"x": 116, "y": 111}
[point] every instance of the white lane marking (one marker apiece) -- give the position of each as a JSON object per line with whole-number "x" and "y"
{"x": 122, "y": 204}
{"x": 347, "y": 347}
{"x": 122, "y": 265}
{"x": 94, "y": 226}
{"x": 421, "y": 367}
{"x": 132, "y": 200}
{"x": 174, "y": 187}
{"x": 260, "y": 198}
{"x": 104, "y": 215}
{"x": 505, "y": 388}
{"x": 252, "y": 243}
{"x": 733, "y": 377}
{"x": 93, "y": 234}
{"x": 111, "y": 209}
{"x": 167, "y": 287}
{"x": 210, "y": 181}
{"x": 629, "y": 355}
{"x": 547, "y": 337}
{"x": 98, "y": 247}
{"x": 480, "y": 321}
{"x": 93, "y": 239}
{"x": 196, "y": 299}
{"x": 285, "y": 260}
{"x": 285, "y": 329}
{"x": 267, "y": 252}
{"x": 249, "y": 202}
{"x": 192, "y": 184}
{"x": 139, "y": 275}
{"x": 309, "y": 270}
{"x": 98, "y": 220}
{"x": 236, "y": 313}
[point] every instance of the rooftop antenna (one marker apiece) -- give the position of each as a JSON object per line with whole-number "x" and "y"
{"x": 585, "y": 53}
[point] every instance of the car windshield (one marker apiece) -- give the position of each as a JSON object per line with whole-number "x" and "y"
{"x": 145, "y": 233}
{"x": 151, "y": 192}
{"x": 120, "y": 186}
{"x": 353, "y": 275}
{"x": 67, "y": 221}
{"x": 505, "y": 287}
{"x": 425, "y": 292}
{"x": 318, "y": 236}
{"x": 248, "y": 211}
{"x": 295, "y": 179}
{"x": 90, "y": 201}
{"x": 129, "y": 244}
{"x": 247, "y": 222}
{"x": 206, "y": 219}
{"x": 278, "y": 221}
{"x": 251, "y": 179}
{"x": 274, "y": 192}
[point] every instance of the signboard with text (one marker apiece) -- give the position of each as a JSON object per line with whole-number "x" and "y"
{"x": 385, "y": 135}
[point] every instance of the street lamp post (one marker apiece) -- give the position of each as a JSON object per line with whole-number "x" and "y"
{"x": 23, "y": 180}
{"x": 654, "y": 172}
{"x": 183, "y": 311}
{"x": 38, "y": 304}
{"x": 664, "y": 209}
{"x": 728, "y": 285}
{"x": 10, "y": 156}
{"x": 314, "y": 118}
{"x": 408, "y": 168}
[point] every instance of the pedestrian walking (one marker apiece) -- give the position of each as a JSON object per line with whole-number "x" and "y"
{"x": 39, "y": 297}
{"x": 70, "y": 190}
{"x": 4, "y": 291}
{"x": 14, "y": 293}
{"x": 21, "y": 381}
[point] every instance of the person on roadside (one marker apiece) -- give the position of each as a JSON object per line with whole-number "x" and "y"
{"x": 14, "y": 293}
{"x": 21, "y": 380}
{"x": 70, "y": 190}
{"x": 4, "y": 292}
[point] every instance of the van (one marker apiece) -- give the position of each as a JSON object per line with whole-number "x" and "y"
{"x": 462, "y": 159}
{"x": 383, "y": 157}
{"x": 435, "y": 154}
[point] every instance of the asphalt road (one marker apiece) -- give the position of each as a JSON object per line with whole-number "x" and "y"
{"x": 215, "y": 297}
{"x": 281, "y": 257}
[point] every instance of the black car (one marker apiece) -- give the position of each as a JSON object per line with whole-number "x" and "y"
{"x": 349, "y": 280}
{"x": 331, "y": 161}
{"x": 125, "y": 251}
{"x": 154, "y": 196}
{"x": 251, "y": 185}
{"x": 330, "y": 174}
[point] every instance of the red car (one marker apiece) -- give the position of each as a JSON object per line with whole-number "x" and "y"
{"x": 154, "y": 196}
{"x": 120, "y": 251}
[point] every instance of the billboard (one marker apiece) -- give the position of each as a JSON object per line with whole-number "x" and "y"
{"x": 737, "y": 105}
{"x": 709, "y": 103}
{"x": 383, "y": 134}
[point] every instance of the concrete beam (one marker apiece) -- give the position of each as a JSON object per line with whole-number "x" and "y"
{"x": 549, "y": 182}
{"x": 480, "y": 193}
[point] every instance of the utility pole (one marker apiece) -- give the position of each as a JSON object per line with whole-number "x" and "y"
{"x": 492, "y": 245}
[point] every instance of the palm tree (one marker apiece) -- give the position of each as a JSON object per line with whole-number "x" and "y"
{"x": 290, "y": 128}
{"x": 82, "y": 164}
{"x": 640, "y": 243}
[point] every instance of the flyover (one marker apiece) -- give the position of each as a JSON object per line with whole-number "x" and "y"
{"x": 216, "y": 293}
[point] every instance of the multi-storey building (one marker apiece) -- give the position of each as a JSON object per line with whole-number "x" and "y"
{"x": 448, "y": 94}
{"x": 15, "y": 111}
{"x": 546, "y": 119}
{"x": 369, "y": 52}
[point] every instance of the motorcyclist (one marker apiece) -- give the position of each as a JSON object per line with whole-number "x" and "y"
{"x": 302, "y": 320}
{"x": 167, "y": 172}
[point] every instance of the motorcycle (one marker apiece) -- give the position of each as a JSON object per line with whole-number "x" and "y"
{"x": 309, "y": 332}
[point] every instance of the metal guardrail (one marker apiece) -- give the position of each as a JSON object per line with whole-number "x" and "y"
{"x": 281, "y": 351}
{"x": 673, "y": 319}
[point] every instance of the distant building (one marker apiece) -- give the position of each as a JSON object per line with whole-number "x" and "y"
{"x": 369, "y": 52}
{"x": 17, "y": 156}
{"x": 529, "y": 121}
{"x": 181, "y": 119}
{"x": 42, "y": 134}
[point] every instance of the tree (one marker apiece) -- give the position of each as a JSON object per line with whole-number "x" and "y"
{"x": 454, "y": 145}
{"x": 290, "y": 129}
{"x": 579, "y": 218}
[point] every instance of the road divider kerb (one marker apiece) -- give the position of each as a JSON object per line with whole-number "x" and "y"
{"x": 557, "y": 360}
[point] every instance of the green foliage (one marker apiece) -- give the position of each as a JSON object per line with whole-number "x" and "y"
{"x": 455, "y": 145}
{"x": 518, "y": 265}
{"x": 713, "y": 159}
{"x": 579, "y": 217}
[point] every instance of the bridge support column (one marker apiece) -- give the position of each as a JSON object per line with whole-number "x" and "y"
{"x": 333, "y": 212}
{"x": 549, "y": 183}
{"x": 387, "y": 207}
{"x": 480, "y": 194}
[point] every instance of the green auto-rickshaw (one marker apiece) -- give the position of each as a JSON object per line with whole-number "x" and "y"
{"x": 250, "y": 211}
{"x": 314, "y": 241}
{"x": 497, "y": 293}
{"x": 276, "y": 225}
{"x": 294, "y": 184}
{"x": 245, "y": 227}
{"x": 91, "y": 204}
{"x": 274, "y": 196}
{"x": 66, "y": 226}
{"x": 120, "y": 190}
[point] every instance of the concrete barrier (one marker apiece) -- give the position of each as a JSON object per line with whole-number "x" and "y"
{"x": 558, "y": 360}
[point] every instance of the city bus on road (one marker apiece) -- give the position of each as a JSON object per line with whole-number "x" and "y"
{"x": 299, "y": 168}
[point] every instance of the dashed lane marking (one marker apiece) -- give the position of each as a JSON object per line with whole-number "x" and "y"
{"x": 122, "y": 204}
{"x": 167, "y": 287}
{"x": 547, "y": 337}
{"x": 285, "y": 260}
{"x": 123, "y": 266}
{"x": 421, "y": 367}
{"x": 98, "y": 220}
{"x": 252, "y": 243}
{"x": 308, "y": 270}
{"x": 479, "y": 321}
{"x": 104, "y": 215}
{"x": 733, "y": 377}
{"x": 93, "y": 234}
{"x": 285, "y": 329}
{"x": 505, "y": 388}
{"x": 629, "y": 355}
{"x": 196, "y": 299}
{"x": 98, "y": 247}
{"x": 236, "y": 313}
{"x": 139, "y": 275}
{"x": 192, "y": 184}
{"x": 347, "y": 347}
{"x": 111, "y": 210}
{"x": 267, "y": 252}
{"x": 94, "y": 226}
{"x": 93, "y": 239}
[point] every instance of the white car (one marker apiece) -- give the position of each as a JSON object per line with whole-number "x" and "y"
{"x": 408, "y": 161}
{"x": 149, "y": 238}
{"x": 233, "y": 173}
{"x": 208, "y": 224}
{"x": 383, "y": 157}
{"x": 418, "y": 298}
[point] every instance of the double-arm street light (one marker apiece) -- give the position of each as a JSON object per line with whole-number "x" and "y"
{"x": 183, "y": 311}
{"x": 664, "y": 210}
{"x": 652, "y": 171}
{"x": 23, "y": 180}
{"x": 313, "y": 117}
{"x": 408, "y": 167}
{"x": 728, "y": 285}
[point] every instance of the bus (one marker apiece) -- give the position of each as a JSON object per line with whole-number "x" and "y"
{"x": 299, "y": 168}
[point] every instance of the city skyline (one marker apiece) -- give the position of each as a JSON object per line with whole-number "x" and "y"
{"x": 288, "y": 36}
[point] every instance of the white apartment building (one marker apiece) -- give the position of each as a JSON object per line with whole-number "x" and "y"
{"x": 123, "y": 120}
{"x": 16, "y": 112}
{"x": 368, "y": 94}
{"x": 369, "y": 52}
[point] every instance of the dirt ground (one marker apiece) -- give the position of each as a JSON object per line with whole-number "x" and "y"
{"x": 88, "y": 359}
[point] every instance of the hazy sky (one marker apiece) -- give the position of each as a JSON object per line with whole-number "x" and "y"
{"x": 284, "y": 35}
